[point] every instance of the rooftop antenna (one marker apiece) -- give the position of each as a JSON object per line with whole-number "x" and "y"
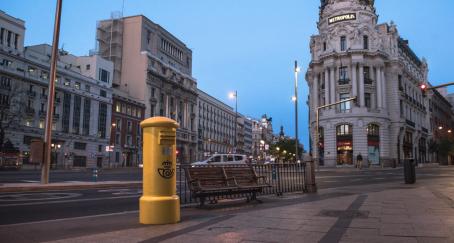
{"x": 123, "y": 8}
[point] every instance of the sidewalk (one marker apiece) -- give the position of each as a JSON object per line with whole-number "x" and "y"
{"x": 392, "y": 212}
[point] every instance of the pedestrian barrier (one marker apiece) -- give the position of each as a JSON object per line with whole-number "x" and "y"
{"x": 282, "y": 178}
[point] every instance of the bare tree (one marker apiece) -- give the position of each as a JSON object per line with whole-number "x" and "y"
{"x": 13, "y": 106}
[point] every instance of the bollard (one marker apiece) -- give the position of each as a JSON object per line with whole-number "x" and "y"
{"x": 310, "y": 176}
{"x": 95, "y": 174}
{"x": 159, "y": 203}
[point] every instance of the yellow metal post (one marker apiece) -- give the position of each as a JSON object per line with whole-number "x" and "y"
{"x": 159, "y": 203}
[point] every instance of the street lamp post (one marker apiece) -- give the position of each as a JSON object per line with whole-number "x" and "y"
{"x": 317, "y": 115}
{"x": 50, "y": 101}
{"x": 234, "y": 95}
{"x": 297, "y": 69}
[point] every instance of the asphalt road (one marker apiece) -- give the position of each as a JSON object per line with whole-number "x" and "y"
{"x": 19, "y": 208}
{"x": 21, "y": 176}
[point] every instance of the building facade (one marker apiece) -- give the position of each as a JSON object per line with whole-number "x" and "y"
{"x": 126, "y": 134}
{"x": 82, "y": 107}
{"x": 353, "y": 56}
{"x": 262, "y": 137}
{"x": 155, "y": 68}
{"x": 216, "y": 126}
{"x": 441, "y": 127}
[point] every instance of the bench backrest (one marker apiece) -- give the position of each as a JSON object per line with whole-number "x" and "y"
{"x": 207, "y": 177}
{"x": 244, "y": 175}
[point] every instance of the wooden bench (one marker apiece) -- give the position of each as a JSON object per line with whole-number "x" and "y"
{"x": 211, "y": 182}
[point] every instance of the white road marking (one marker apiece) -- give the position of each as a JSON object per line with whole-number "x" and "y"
{"x": 65, "y": 219}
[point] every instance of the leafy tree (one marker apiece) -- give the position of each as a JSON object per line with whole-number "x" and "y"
{"x": 286, "y": 149}
{"x": 12, "y": 107}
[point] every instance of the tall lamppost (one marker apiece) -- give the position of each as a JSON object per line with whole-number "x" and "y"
{"x": 51, "y": 93}
{"x": 295, "y": 99}
{"x": 234, "y": 95}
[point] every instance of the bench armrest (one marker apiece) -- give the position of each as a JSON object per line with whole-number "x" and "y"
{"x": 264, "y": 178}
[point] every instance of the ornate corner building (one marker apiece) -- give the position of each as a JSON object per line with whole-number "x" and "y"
{"x": 353, "y": 56}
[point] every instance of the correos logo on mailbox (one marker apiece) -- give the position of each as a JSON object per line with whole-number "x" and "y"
{"x": 166, "y": 171}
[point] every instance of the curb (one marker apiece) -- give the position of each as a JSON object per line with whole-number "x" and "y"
{"x": 50, "y": 187}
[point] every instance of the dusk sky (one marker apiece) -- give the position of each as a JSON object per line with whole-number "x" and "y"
{"x": 247, "y": 45}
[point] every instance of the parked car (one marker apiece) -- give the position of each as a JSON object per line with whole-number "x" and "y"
{"x": 8, "y": 161}
{"x": 223, "y": 159}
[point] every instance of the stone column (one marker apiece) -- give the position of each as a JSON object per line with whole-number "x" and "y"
{"x": 383, "y": 87}
{"x": 327, "y": 86}
{"x": 332, "y": 86}
{"x": 354, "y": 81}
{"x": 379, "y": 88}
{"x": 315, "y": 92}
{"x": 361, "y": 86}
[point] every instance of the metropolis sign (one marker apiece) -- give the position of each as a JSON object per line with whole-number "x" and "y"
{"x": 343, "y": 17}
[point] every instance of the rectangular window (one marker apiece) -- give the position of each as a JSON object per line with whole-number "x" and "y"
{"x": 367, "y": 79}
{"x": 102, "y": 119}
{"x": 343, "y": 43}
{"x": 343, "y": 107}
{"x": 129, "y": 124}
{"x": 367, "y": 100}
{"x": 87, "y": 67}
{"x": 67, "y": 82}
{"x": 8, "y": 39}
{"x": 87, "y": 88}
{"x": 104, "y": 75}
{"x": 366, "y": 42}
{"x": 76, "y": 114}
{"x": 86, "y": 119}
{"x": 80, "y": 146}
{"x": 103, "y": 93}
{"x": 117, "y": 107}
{"x": 77, "y": 85}
{"x": 2, "y": 31}
{"x": 16, "y": 40}
{"x": 324, "y": 46}
{"x": 401, "y": 87}
{"x": 343, "y": 76}
{"x": 66, "y": 111}
{"x": 117, "y": 138}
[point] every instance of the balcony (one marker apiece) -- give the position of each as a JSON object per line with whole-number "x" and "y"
{"x": 31, "y": 94}
{"x": 424, "y": 130}
{"x": 56, "y": 116}
{"x": 410, "y": 123}
{"x": 344, "y": 81}
{"x": 368, "y": 80}
{"x": 42, "y": 114}
{"x": 44, "y": 96}
{"x": 30, "y": 111}
{"x": 5, "y": 87}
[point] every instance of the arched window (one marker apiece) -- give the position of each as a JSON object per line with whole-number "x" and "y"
{"x": 373, "y": 130}
{"x": 344, "y": 130}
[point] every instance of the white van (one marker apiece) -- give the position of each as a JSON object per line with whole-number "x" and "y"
{"x": 224, "y": 159}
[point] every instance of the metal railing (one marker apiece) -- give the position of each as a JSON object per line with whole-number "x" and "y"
{"x": 282, "y": 178}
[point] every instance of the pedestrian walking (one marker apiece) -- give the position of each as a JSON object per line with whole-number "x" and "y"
{"x": 359, "y": 161}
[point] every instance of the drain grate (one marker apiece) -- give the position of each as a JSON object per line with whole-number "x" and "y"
{"x": 344, "y": 214}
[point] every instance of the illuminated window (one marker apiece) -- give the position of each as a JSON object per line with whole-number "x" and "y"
{"x": 117, "y": 107}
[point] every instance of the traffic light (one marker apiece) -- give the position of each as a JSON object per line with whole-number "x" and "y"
{"x": 423, "y": 88}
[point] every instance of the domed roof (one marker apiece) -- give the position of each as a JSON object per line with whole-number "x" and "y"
{"x": 323, "y": 3}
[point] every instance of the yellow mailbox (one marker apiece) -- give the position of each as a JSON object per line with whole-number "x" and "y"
{"x": 159, "y": 203}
